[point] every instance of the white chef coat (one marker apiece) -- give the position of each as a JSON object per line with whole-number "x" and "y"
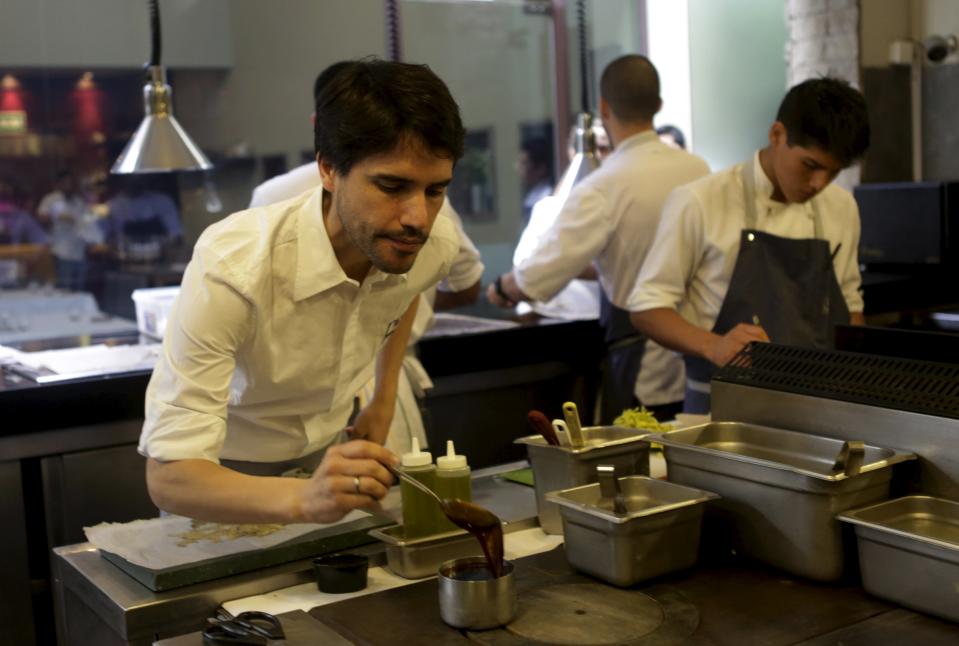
{"x": 465, "y": 271}
{"x": 610, "y": 219}
{"x": 269, "y": 341}
{"x": 692, "y": 259}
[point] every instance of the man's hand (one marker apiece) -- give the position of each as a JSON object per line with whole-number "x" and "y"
{"x": 373, "y": 422}
{"x": 505, "y": 291}
{"x": 724, "y": 348}
{"x": 351, "y": 476}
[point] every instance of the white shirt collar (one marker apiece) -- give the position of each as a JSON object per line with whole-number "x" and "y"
{"x": 317, "y": 268}
{"x": 639, "y": 139}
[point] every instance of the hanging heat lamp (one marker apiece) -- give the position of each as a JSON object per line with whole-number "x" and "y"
{"x": 586, "y": 158}
{"x": 160, "y": 144}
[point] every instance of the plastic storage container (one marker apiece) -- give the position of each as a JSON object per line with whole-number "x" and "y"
{"x": 452, "y": 481}
{"x": 153, "y": 309}
{"x": 420, "y": 512}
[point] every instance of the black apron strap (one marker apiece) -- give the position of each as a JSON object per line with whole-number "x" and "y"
{"x": 624, "y": 355}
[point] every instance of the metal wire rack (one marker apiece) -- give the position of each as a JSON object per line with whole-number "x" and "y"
{"x": 889, "y": 382}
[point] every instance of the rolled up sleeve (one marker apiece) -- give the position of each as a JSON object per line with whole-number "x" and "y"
{"x": 846, "y": 264}
{"x": 186, "y": 400}
{"x": 466, "y": 269}
{"x": 581, "y": 230}
{"x": 672, "y": 258}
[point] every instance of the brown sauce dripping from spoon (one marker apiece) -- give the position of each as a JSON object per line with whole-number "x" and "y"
{"x": 481, "y": 523}
{"x": 478, "y": 521}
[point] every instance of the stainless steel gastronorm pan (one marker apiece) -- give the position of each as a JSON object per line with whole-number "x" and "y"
{"x": 416, "y": 558}
{"x": 779, "y": 493}
{"x": 562, "y": 467}
{"x": 909, "y": 552}
{"x": 658, "y": 534}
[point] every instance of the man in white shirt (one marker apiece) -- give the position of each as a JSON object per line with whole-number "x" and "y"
{"x": 284, "y": 309}
{"x": 609, "y": 221}
{"x": 460, "y": 287}
{"x": 765, "y": 250}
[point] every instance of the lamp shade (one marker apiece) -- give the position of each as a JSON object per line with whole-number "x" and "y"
{"x": 160, "y": 144}
{"x": 585, "y": 159}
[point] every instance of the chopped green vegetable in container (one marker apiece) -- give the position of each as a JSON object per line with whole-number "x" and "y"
{"x": 642, "y": 419}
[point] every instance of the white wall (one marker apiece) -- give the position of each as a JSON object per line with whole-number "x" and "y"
{"x": 265, "y": 100}
{"x": 738, "y": 75}
{"x": 112, "y": 33}
{"x": 669, "y": 52}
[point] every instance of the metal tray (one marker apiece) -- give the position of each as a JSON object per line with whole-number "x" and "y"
{"x": 779, "y": 493}
{"x": 909, "y": 552}
{"x": 658, "y": 534}
{"x": 416, "y": 558}
{"x": 562, "y": 467}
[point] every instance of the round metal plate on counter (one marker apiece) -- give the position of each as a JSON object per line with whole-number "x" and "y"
{"x": 594, "y": 614}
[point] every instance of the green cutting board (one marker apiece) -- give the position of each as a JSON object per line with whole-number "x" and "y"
{"x": 322, "y": 541}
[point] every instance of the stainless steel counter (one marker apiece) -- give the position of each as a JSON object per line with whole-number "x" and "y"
{"x": 99, "y": 604}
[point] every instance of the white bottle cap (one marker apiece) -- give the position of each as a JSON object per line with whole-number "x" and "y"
{"x": 416, "y": 458}
{"x": 451, "y": 460}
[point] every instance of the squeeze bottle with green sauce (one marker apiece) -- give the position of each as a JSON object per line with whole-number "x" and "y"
{"x": 420, "y": 512}
{"x": 452, "y": 481}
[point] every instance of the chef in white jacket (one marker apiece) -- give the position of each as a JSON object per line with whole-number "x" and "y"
{"x": 608, "y": 222}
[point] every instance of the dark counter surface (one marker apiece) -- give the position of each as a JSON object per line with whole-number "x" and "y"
{"x": 726, "y": 602}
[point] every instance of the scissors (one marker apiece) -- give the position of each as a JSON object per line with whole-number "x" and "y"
{"x": 252, "y": 627}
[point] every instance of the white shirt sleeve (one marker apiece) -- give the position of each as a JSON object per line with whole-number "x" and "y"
{"x": 466, "y": 269}
{"x": 846, "y": 264}
{"x": 581, "y": 230}
{"x": 673, "y": 257}
{"x": 186, "y": 401}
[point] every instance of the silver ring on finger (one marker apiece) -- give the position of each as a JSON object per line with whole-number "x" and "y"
{"x": 356, "y": 484}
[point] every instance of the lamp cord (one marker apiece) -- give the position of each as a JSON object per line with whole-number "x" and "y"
{"x": 583, "y": 58}
{"x": 392, "y": 30}
{"x": 154, "y": 33}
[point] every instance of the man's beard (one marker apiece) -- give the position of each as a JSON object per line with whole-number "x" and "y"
{"x": 374, "y": 243}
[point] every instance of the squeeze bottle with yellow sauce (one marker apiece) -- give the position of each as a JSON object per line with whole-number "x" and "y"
{"x": 421, "y": 514}
{"x": 452, "y": 481}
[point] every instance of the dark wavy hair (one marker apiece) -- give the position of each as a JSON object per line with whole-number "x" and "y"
{"x": 368, "y": 106}
{"x": 827, "y": 113}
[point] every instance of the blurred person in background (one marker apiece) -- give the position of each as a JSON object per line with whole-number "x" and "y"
{"x": 606, "y": 226}
{"x": 141, "y": 221}
{"x": 672, "y": 136}
{"x": 535, "y": 167}
{"x": 67, "y": 213}
{"x": 17, "y": 226}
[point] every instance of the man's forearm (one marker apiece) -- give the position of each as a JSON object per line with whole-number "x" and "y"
{"x": 449, "y": 300}
{"x": 667, "y": 328}
{"x": 207, "y": 491}
{"x": 389, "y": 362}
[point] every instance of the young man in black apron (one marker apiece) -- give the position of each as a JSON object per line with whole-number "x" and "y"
{"x": 609, "y": 220}
{"x": 763, "y": 251}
